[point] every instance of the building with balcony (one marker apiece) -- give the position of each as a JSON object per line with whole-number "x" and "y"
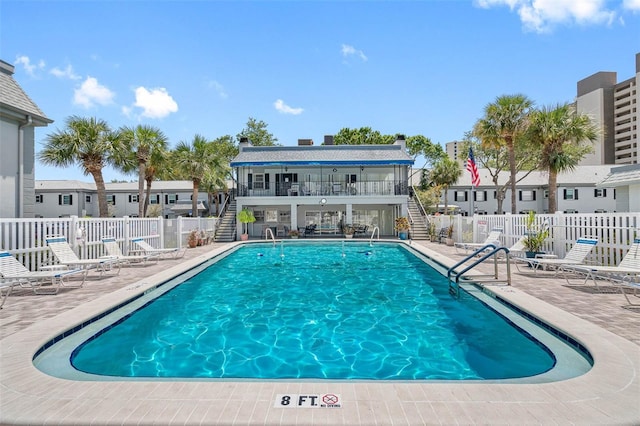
{"x": 326, "y": 186}
{"x": 614, "y": 107}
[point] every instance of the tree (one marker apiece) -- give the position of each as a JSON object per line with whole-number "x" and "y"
{"x": 445, "y": 173}
{"x": 256, "y": 132}
{"x": 495, "y": 159}
{"x": 503, "y": 122}
{"x": 197, "y": 162}
{"x": 362, "y": 136}
{"x": 139, "y": 144}
{"x": 563, "y": 135}
{"x": 88, "y": 143}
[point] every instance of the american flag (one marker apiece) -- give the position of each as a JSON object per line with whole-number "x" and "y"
{"x": 471, "y": 166}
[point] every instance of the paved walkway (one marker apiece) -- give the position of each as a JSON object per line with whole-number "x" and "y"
{"x": 606, "y": 308}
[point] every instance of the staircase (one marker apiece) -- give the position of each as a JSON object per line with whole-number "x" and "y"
{"x": 226, "y": 231}
{"x": 419, "y": 229}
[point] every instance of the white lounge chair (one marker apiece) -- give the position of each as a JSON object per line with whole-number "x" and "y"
{"x": 575, "y": 256}
{"x": 66, "y": 256}
{"x": 146, "y": 248}
{"x": 113, "y": 249}
{"x": 492, "y": 238}
{"x": 15, "y": 273}
{"x": 627, "y": 273}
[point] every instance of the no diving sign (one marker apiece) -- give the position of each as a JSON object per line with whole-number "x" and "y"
{"x": 326, "y": 400}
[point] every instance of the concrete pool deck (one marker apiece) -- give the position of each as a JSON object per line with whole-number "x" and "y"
{"x": 608, "y": 394}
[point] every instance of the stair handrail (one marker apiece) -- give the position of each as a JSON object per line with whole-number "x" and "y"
{"x": 418, "y": 202}
{"x": 471, "y": 256}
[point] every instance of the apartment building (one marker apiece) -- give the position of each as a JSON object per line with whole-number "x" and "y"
{"x": 19, "y": 117}
{"x": 63, "y": 198}
{"x": 614, "y": 107}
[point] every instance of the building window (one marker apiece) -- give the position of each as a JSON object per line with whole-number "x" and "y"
{"x": 111, "y": 199}
{"x": 155, "y": 199}
{"x": 87, "y": 198}
{"x": 65, "y": 200}
{"x": 460, "y": 196}
{"x": 546, "y": 193}
{"x": 480, "y": 196}
{"x": 527, "y": 195}
{"x": 39, "y": 198}
{"x": 571, "y": 211}
{"x": 133, "y": 198}
{"x": 570, "y": 194}
{"x": 170, "y": 198}
{"x": 258, "y": 181}
{"x": 600, "y": 193}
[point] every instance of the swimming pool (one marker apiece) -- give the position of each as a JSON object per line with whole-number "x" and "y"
{"x": 315, "y": 311}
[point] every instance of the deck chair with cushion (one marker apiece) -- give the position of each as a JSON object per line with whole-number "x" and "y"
{"x": 575, "y": 256}
{"x": 492, "y": 238}
{"x": 13, "y": 272}
{"x": 65, "y": 255}
{"x": 144, "y": 247}
{"x": 627, "y": 271}
{"x": 113, "y": 249}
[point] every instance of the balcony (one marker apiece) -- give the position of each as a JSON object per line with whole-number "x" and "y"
{"x": 370, "y": 188}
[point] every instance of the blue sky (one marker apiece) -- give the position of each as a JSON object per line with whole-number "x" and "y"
{"x": 305, "y": 68}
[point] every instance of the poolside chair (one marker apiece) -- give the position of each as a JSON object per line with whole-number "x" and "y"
{"x": 492, "y": 238}
{"x": 627, "y": 270}
{"x": 146, "y": 248}
{"x": 575, "y": 256}
{"x": 66, "y": 256}
{"x": 113, "y": 249}
{"x": 15, "y": 273}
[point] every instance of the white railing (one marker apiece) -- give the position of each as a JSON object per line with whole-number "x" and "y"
{"x": 25, "y": 238}
{"x": 614, "y": 231}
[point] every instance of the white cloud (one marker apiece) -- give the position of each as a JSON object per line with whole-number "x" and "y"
{"x": 633, "y": 5}
{"x": 65, "y": 73}
{"x": 91, "y": 92}
{"x": 28, "y": 66}
{"x": 286, "y": 109}
{"x": 543, "y": 15}
{"x": 348, "y": 50}
{"x": 155, "y": 103}
{"x": 219, "y": 88}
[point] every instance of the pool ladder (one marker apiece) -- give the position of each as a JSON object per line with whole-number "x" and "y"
{"x": 375, "y": 228}
{"x": 454, "y": 277}
{"x": 266, "y": 235}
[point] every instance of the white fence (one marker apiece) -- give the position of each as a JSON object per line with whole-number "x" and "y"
{"x": 614, "y": 231}
{"x": 25, "y": 238}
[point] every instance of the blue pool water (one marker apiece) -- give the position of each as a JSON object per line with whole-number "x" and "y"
{"x": 329, "y": 311}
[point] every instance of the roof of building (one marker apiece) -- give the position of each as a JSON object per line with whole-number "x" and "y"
{"x": 12, "y": 97}
{"x": 322, "y": 155}
{"x": 622, "y": 176}
{"x": 67, "y": 185}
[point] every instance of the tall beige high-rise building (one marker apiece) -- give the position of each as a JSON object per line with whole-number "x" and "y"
{"x": 614, "y": 107}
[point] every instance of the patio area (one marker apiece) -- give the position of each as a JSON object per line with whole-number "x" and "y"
{"x": 608, "y": 394}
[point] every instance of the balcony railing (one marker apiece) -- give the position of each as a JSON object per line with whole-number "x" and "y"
{"x": 313, "y": 188}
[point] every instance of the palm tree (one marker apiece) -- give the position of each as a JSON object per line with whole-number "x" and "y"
{"x": 196, "y": 161}
{"x": 139, "y": 143}
{"x": 445, "y": 173}
{"x": 503, "y": 122}
{"x": 562, "y": 134}
{"x": 88, "y": 143}
{"x": 157, "y": 167}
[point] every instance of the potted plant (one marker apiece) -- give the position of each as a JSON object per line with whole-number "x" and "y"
{"x": 348, "y": 231}
{"x": 246, "y": 216}
{"x": 294, "y": 233}
{"x": 192, "y": 238}
{"x": 449, "y": 238}
{"x": 535, "y": 236}
{"x": 403, "y": 226}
